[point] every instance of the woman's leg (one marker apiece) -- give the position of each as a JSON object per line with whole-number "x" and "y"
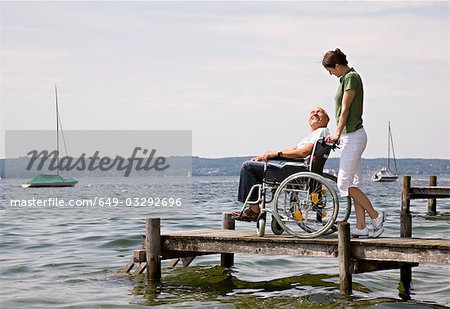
{"x": 349, "y": 177}
{"x": 362, "y": 204}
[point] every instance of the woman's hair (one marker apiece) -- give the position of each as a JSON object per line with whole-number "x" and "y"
{"x": 333, "y": 57}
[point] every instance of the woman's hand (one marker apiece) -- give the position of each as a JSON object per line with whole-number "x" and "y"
{"x": 333, "y": 138}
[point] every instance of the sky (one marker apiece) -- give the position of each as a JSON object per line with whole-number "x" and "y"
{"x": 242, "y": 76}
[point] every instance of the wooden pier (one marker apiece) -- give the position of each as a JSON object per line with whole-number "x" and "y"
{"x": 354, "y": 255}
{"x": 431, "y": 192}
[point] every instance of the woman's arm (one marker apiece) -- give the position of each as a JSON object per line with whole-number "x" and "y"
{"x": 347, "y": 100}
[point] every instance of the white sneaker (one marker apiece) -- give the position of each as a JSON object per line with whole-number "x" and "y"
{"x": 377, "y": 224}
{"x": 357, "y": 233}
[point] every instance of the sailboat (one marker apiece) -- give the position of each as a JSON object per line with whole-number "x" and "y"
{"x": 385, "y": 174}
{"x": 45, "y": 180}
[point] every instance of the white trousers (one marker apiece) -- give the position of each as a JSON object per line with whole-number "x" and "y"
{"x": 353, "y": 145}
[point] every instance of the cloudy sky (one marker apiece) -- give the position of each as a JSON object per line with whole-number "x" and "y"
{"x": 241, "y": 75}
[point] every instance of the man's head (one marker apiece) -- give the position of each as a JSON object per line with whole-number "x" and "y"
{"x": 318, "y": 118}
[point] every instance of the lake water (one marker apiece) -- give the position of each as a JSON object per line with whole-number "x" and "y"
{"x": 71, "y": 257}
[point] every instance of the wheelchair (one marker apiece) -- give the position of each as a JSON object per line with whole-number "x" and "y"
{"x": 304, "y": 198}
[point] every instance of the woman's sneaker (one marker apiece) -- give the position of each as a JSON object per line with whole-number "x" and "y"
{"x": 357, "y": 233}
{"x": 377, "y": 224}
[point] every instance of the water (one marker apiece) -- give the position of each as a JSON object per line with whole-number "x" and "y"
{"x": 71, "y": 257}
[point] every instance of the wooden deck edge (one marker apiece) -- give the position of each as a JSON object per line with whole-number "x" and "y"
{"x": 210, "y": 246}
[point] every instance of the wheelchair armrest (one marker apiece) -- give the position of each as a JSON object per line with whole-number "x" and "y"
{"x": 298, "y": 160}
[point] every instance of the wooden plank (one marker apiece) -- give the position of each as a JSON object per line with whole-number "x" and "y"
{"x": 400, "y": 242}
{"x": 139, "y": 256}
{"x": 170, "y": 254}
{"x": 173, "y": 263}
{"x": 129, "y": 266}
{"x": 187, "y": 260}
{"x": 364, "y": 266}
{"x": 429, "y": 192}
{"x": 141, "y": 268}
{"x": 404, "y": 250}
{"x": 411, "y": 250}
{"x": 249, "y": 245}
{"x": 250, "y": 236}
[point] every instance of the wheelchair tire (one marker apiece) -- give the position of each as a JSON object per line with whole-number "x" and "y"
{"x": 261, "y": 224}
{"x": 276, "y": 228}
{"x": 306, "y": 205}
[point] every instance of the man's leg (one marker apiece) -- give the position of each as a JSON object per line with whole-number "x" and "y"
{"x": 252, "y": 173}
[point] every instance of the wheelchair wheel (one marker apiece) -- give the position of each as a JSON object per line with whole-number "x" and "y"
{"x": 261, "y": 224}
{"x": 306, "y": 205}
{"x": 345, "y": 204}
{"x": 276, "y": 228}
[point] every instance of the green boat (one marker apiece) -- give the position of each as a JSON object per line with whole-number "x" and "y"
{"x": 42, "y": 180}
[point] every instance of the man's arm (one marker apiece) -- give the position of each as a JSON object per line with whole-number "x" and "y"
{"x": 295, "y": 152}
{"x": 288, "y": 153}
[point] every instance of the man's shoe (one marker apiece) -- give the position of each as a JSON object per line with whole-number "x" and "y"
{"x": 357, "y": 233}
{"x": 377, "y": 224}
{"x": 247, "y": 215}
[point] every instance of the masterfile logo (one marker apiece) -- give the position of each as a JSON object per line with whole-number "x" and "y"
{"x": 96, "y": 162}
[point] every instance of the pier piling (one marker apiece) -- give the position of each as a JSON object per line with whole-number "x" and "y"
{"x": 345, "y": 271}
{"x": 405, "y": 214}
{"x": 432, "y": 201}
{"x": 153, "y": 249}
{"x": 228, "y": 223}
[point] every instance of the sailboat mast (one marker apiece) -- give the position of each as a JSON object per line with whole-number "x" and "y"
{"x": 393, "y": 151}
{"x": 389, "y": 143}
{"x": 57, "y": 129}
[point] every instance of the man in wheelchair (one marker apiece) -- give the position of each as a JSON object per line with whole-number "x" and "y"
{"x": 252, "y": 172}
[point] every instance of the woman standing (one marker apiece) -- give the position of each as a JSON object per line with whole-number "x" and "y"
{"x": 353, "y": 140}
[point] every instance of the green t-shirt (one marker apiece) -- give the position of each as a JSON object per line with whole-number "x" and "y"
{"x": 351, "y": 81}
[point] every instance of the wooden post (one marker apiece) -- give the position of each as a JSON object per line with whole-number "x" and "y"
{"x": 404, "y": 289}
{"x": 405, "y": 214}
{"x": 405, "y": 231}
{"x": 228, "y": 223}
{"x": 432, "y": 201}
{"x": 153, "y": 249}
{"x": 345, "y": 273}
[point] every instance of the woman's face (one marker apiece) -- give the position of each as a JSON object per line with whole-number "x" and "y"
{"x": 335, "y": 71}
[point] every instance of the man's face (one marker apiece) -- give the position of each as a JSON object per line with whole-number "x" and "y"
{"x": 318, "y": 118}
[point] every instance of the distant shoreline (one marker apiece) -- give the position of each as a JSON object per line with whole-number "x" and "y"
{"x": 231, "y": 166}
